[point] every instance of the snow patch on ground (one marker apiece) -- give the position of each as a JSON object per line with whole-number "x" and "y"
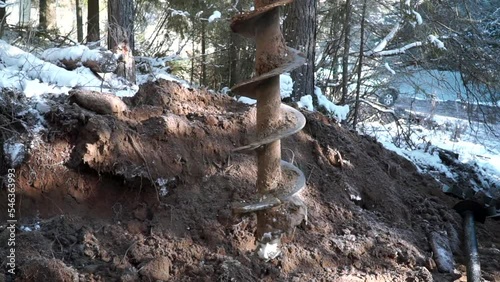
{"x": 71, "y": 53}
{"x": 475, "y": 145}
{"x": 246, "y": 100}
{"x": 306, "y": 102}
{"x": 268, "y": 249}
{"x": 340, "y": 112}
{"x": 25, "y": 72}
{"x": 286, "y": 85}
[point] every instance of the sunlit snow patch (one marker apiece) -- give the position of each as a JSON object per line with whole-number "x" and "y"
{"x": 270, "y": 249}
{"x": 306, "y": 102}
{"x": 340, "y": 112}
{"x": 246, "y": 100}
{"x": 286, "y": 85}
{"x": 162, "y": 182}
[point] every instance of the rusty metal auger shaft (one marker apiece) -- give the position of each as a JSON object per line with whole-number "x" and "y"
{"x": 277, "y": 181}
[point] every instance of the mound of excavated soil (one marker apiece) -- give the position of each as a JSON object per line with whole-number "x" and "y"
{"x": 147, "y": 196}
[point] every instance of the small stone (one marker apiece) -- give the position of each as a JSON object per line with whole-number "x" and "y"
{"x": 91, "y": 268}
{"x": 136, "y": 227}
{"x": 212, "y": 121}
{"x": 130, "y": 275}
{"x": 225, "y": 124}
{"x": 157, "y": 269}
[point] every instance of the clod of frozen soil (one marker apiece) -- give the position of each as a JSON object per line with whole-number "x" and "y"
{"x": 43, "y": 269}
{"x": 101, "y": 103}
{"x": 114, "y": 195}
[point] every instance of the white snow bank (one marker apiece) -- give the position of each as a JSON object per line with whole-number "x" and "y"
{"x": 286, "y": 85}
{"x": 246, "y": 100}
{"x": 27, "y": 65}
{"x": 286, "y": 89}
{"x": 306, "y": 102}
{"x": 475, "y": 146}
{"x": 71, "y": 53}
{"x": 340, "y": 112}
{"x": 32, "y": 88}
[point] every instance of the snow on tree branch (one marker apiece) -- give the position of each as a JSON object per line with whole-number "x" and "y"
{"x": 397, "y": 51}
{"x": 434, "y": 40}
{"x": 386, "y": 65}
{"x": 178, "y": 13}
{"x": 383, "y": 43}
{"x": 418, "y": 17}
{"x": 216, "y": 15}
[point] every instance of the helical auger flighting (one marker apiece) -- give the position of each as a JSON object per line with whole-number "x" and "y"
{"x": 277, "y": 180}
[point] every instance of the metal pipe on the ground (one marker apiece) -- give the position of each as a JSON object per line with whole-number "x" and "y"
{"x": 471, "y": 213}
{"x": 473, "y": 264}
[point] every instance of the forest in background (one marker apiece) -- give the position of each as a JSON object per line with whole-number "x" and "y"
{"x": 353, "y": 47}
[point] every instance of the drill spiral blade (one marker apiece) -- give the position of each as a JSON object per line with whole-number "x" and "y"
{"x": 278, "y": 181}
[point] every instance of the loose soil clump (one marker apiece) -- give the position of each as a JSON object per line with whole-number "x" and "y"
{"x": 147, "y": 196}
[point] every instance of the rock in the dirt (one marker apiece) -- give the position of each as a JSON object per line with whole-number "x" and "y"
{"x": 443, "y": 256}
{"x": 156, "y": 269}
{"x": 211, "y": 120}
{"x": 130, "y": 275}
{"x": 42, "y": 269}
{"x": 233, "y": 270}
{"x": 421, "y": 274}
{"x": 101, "y": 103}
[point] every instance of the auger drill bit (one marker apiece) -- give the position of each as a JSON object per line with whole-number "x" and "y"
{"x": 277, "y": 181}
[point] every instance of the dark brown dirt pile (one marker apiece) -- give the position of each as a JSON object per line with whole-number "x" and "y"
{"x": 147, "y": 196}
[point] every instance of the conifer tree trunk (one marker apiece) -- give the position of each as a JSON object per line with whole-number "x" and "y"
{"x": 360, "y": 64}
{"x": 345, "y": 56}
{"x": 93, "y": 21}
{"x": 300, "y": 27}
{"x": 3, "y": 20}
{"x": 47, "y": 16}
{"x": 234, "y": 49}
{"x": 121, "y": 37}
{"x": 79, "y": 21}
{"x": 24, "y": 12}
{"x": 203, "y": 54}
